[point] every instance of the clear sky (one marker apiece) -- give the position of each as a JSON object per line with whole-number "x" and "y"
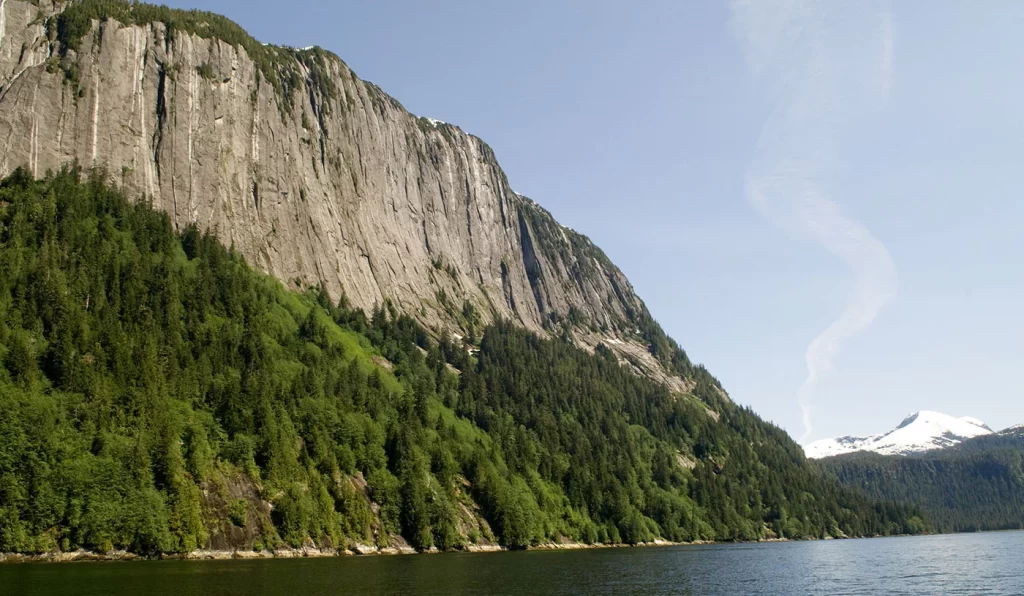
{"x": 821, "y": 201}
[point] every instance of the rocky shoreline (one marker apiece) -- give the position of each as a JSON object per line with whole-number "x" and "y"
{"x": 82, "y": 555}
{"x": 202, "y": 555}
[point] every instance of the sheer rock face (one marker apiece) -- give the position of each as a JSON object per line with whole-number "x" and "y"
{"x": 344, "y": 187}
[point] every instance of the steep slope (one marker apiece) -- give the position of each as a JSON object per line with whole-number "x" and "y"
{"x": 973, "y": 486}
{"x": 159, "y": 395}
{"x": 919, "y": 432}
{"x": 311, "y": 173}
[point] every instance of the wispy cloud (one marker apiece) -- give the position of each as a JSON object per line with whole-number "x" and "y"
{"x": 790, "y": 46}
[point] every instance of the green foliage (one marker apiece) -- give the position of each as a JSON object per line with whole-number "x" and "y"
{"x": 205, "y": 71}
{"x": 238, "y": 512}
{"x": 279, "y": 66}
{"x": 607, "y": 447}
{"x": 975, "y": 486}
{"x": 384, "y": 489}
{"x": 136, "y": 364}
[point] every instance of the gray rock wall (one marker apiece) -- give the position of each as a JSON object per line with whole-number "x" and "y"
{"x": 345, "y": 187}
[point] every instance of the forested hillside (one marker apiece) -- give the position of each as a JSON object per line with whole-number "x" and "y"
{"x": 159, "y": 395}
{"x": 977, "y": 485}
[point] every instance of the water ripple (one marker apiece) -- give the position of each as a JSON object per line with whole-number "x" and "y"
{"x": 983, "y": 564}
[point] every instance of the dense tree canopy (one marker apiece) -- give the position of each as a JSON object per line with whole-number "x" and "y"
{"x": 977, "y": 485}
{"x": 143, "y": 369}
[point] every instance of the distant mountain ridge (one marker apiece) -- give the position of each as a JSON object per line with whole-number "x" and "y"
{"x": 449, "y": 367}
{"x": 976, "y": 485}
{"x": 919, "y": 432}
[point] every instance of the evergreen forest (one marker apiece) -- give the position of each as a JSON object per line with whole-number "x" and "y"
{"x": 977, "y": 485}
{"x": 159, "y": 395}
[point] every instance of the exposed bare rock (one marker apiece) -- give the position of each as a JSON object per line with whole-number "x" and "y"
{"x": 313, "y": 174}
{"x": 685, "y": 462}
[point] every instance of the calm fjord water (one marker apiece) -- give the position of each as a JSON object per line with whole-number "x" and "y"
{"x": 954, "y": 564}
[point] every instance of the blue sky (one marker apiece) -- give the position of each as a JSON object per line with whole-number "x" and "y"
{"x": 668, "y": 133}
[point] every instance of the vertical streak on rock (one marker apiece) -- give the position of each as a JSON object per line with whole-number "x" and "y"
{"x": 133, "y": 58}
{"x": 60, "y": 128}
{"x": 255, "y": 134}
{"x": 193, "y": 213}
{"x": 469, "y": 216}
{"x": 3, "y": 21}
{"x": 141, "y": 55}
{"x": 255, "y": 128}
{"x": 532, "y": 264}
{"x": 169, "y": 122}
{"x": 95, "y": 113}
{"x": 158, "y": 133}
{"x": 34, "y": 149}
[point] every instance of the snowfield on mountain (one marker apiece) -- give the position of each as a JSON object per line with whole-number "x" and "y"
{"x": 919, "y": 432}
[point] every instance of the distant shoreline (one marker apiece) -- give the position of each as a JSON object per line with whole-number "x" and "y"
{"x": 83, "y": 555}
{"x": 370, "y": 551}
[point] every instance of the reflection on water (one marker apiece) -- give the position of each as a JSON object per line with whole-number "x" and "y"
{"x": 954, "y": 564}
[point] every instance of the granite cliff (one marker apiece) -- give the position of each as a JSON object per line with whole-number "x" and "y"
{"x": 315, "y": 175}
{"x": 160, "y": 397}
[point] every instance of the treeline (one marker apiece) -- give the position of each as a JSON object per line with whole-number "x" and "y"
{"x": 142, "y": 369}
{"x": 280, "y": 67}
{"x": 975, "y": 486}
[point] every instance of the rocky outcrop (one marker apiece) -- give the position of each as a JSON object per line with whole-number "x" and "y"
{"x": 313, "y": 174}
{"x": 238, "y": 522}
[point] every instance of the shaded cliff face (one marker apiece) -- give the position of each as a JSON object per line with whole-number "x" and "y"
{"x": 313, "y": 174}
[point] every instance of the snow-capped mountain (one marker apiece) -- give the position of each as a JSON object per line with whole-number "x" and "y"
{"x": 919, "y": 432}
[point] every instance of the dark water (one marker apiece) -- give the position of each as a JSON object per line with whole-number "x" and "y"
{"x": 956, "y": 564}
